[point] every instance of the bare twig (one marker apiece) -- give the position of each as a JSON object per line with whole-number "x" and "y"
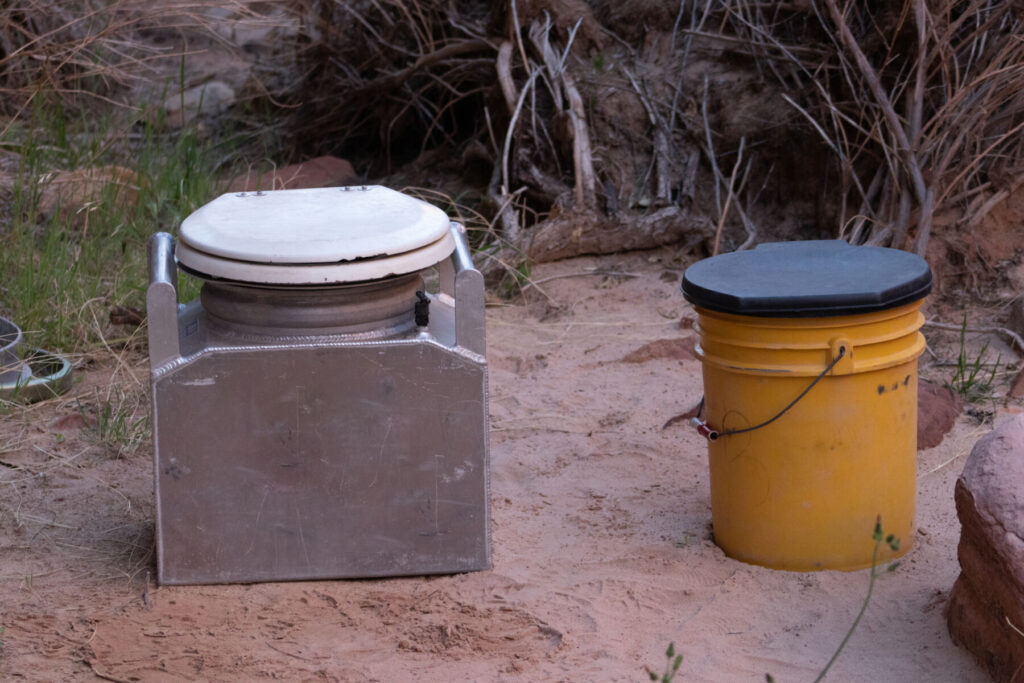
{"x": 511, "y": 130}
{"x": 517, "y": 30}
{"x": 563, "y": 276}
{"x": 1013, "y": 336}
{"x": 585, "y": 190}
{"x": 503, "y": 65}
{"x": 710, "y": 146}
{"x": 105, "y": 676}
{"x": 662, "y": 148}
{"x": 728, "y": 197}
{"x": 925, "y": 194}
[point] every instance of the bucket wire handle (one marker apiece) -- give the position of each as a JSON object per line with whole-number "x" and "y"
{"x": 711, "y": 434}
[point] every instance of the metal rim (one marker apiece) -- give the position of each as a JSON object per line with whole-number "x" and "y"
{"x": 49, "y": 374}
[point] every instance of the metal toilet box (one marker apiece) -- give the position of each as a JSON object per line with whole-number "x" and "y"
{"x": 316, "y": 413}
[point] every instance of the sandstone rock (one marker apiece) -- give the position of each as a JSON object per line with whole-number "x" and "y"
{"x": 1017, "y": 388}
{"x": 74, "y": 195}
{"x": 937, "y": 410}
{"x": 6, "y": 200}
{"x": 255, "y": 31}
{"x": 209, "y": 99}
{"x": 1015, "y": 322}
{"x": 10, "y": 162}
{"x": 324, "y": 171}
{"x": 985, "y": 614}
{"x": 70, "y": 422}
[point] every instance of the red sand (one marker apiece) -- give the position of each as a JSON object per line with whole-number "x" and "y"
{"x": 601, "y": 536}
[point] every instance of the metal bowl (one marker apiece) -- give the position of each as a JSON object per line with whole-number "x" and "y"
{"x": 12, "y": 369}
{"x": 28, "y": 375}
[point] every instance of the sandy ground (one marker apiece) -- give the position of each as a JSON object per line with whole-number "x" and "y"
{"x": 601, "y": 532}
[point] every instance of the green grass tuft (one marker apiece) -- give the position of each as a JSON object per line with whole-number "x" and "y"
{"x": 60, "y": 275}
{"x": 973, "y": 380}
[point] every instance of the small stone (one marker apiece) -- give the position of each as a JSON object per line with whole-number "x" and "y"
{"x": 937, "y": 410}
{"x": 10, "y": 162}
{"x": 74, "y": 195}
{"x": 1015, "y": 322}
{"x": 1017, "y": 388}
{"x": 985, "y": 614}
{"x": 208, "y": 99}
{"x": 70, "y": 422}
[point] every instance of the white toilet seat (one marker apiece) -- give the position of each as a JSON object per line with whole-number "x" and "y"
{"x": 313, "y": 236}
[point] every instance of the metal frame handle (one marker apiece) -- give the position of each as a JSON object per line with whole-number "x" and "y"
{"x": 162, "y": 301}
{"x": 459, "y": 279}
{"x": 465, "y": 284}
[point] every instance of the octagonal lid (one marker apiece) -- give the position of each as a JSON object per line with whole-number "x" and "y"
{"x": 807, "y": 279}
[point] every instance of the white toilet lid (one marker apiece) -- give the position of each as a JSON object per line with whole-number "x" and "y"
{"x": 314, "y": 236}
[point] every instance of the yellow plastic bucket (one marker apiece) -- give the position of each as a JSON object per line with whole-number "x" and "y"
{"x": 804, "y": 491}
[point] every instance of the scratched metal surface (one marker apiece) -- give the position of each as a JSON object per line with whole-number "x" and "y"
{"x": 351, "y": 460}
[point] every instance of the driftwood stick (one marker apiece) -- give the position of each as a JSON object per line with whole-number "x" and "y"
{"x": 503, "y": 65}
{"x": 517, "y": 30}
{"x": 662, "y": 150}
{"x": 582, "y": 157}
{"x": 977, "y": 215}
{"x": 539, "y": 36}
{"x": 505, "y": 180}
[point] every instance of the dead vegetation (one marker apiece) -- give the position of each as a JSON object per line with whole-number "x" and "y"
{"x": 89, "y": 55}
{"x": 921, "y": 106}
{"x": 595, "y": 127}
{"x": 575, "y": 127}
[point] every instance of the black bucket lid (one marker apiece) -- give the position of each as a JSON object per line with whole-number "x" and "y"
{"x": 817, "y": 278}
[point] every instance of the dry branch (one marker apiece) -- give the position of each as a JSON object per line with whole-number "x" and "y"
{"x": 662, "y": 149}
{"x": 394, "y": 81}
{"x": 1010, "y": 334}
{"x": 575, "y": 234}
{"x": 728, "y": 198}
{"x": 503, "y": 66}
{"x": 583, "y": 162}
{"x": 925, "y": 194}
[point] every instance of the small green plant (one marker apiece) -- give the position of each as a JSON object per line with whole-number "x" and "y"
{"x": 879, "y": 537}
{"x": 515, "y": 280}
{"x": 114, "y": 421}
{"x": 59, "y": 271}
{"x": 894, "y": 544}
{"x": 970, "y": 380}
{"x": 2, "y": 629}
{"x": 672, "y": 663}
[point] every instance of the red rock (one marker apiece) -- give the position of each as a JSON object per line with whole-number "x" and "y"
{"x": 985, "y": 614}
{"x": 325, "y": 171}
{"x": 1017, "y": 388}
{"x": 937, "y": 410}
{"x": 74, "y": 195}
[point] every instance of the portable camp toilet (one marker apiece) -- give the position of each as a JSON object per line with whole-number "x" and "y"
{"x": 809, "y": 353}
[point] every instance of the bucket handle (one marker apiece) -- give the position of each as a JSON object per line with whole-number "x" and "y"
{"x": 712, "y": 434}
